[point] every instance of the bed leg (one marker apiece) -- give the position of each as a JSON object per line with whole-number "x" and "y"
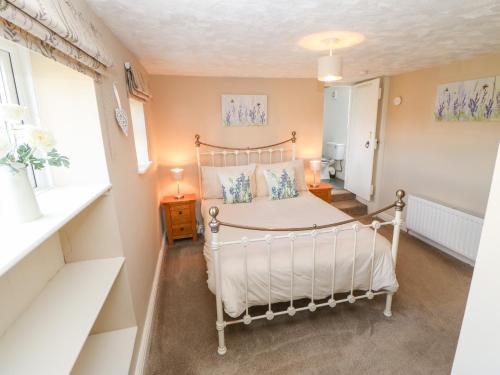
{"x": 219, "y": 324}
{"x": 222, "y": 345}
{"x": 388, "y": 306}
{"x": 399, "y": 205}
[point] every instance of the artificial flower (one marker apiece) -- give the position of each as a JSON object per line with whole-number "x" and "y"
{"x": 40, "y": 139}
{"x": 13, "y": 112}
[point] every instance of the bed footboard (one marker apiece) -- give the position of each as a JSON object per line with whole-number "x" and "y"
{"x": 291, "y": 234}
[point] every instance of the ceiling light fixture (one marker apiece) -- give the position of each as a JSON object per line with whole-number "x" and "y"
{"x": 321, "y": 41}
{"x": 330, "y": 67}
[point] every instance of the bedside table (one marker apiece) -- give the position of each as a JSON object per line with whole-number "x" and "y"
{"x": 323, "y": 191}
{"x": 180, "y": 215}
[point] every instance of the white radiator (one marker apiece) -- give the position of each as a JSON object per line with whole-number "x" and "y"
{"x": 453, "y": 229}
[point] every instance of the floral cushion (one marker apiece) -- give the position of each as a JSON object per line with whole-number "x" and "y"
{"x": 236, "y": 187}
{"x": 281, "y": 183}
{"x": 296, "y": 165}
{"x": 210, "y": 181}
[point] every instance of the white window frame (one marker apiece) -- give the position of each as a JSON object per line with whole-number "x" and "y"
{"x": 141, "y": 139}
{"x": 19, "y": 76}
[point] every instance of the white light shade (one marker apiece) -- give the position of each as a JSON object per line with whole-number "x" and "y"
{"x": 315, "y": 165}
{"x": 329, "y": 68}
{"x": 177, "y": 173}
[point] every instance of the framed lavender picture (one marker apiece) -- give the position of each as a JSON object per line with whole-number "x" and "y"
{"x": 474, "y": 100}
{"x": 244, "y": 110}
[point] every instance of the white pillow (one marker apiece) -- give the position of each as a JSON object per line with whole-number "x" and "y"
{"x": 210, "y": 183}
{"x": 298, "y": 167}
{"x": 281, "y": 183}
{"x": 236, "y": 186}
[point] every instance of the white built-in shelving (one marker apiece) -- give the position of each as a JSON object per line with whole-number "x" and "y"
{"x": 65, "y": 300}
{"x": 107, "y": 353}
{"x": 58, "y": 206}
{"x": 48, "y": 337}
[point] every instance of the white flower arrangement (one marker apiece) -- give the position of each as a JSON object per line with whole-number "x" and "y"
{"x": 13, "y": 112}
{"x": 37, "y": 150}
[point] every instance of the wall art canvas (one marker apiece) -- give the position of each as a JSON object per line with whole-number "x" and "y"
{"x": 244, "y": 110}
{"x": 475, "y": 100}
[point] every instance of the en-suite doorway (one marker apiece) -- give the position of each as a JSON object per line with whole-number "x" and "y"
{"x": 350, "y": 137}
{"x": 335, "y": 122}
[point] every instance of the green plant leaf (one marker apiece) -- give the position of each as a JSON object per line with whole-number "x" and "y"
{"x": 24, "y": 152}
{"x": 26, "y": 157}
{"x": 57, "y": 160}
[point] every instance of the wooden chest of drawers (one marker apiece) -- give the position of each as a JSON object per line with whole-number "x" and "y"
{"x": 180, "y": 215}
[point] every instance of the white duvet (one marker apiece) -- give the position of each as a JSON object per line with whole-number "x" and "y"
{"x": 305, "y": 210}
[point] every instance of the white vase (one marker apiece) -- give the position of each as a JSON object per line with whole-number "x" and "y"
{"x": 17, "y": 200}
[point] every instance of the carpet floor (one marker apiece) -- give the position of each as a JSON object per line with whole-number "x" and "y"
{"x": 420, "y": 337}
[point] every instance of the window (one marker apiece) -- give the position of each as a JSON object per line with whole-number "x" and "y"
{"x": 15, "y": 88}
{"x": 140, "y": 135}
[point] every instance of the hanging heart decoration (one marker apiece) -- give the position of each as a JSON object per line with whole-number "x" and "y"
{"x": 120, "y": 113}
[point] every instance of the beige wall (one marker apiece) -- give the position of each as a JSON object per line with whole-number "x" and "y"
{"x": 451, "y": 162}
{"x": 185, "y": 106}
{"x": 135, "y": 196}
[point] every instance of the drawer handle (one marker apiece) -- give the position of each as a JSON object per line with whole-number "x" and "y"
{"x": 180, "y": 212}
{"x": 182, "y": 229}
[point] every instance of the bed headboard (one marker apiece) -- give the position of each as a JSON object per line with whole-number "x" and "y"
{"x": 226, "y": 156}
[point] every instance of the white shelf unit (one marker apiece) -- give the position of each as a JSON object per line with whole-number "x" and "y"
{"x": 49, "y": 336}
{"x": 58, "y": 206}
{"x": 107, "y": 353}
{"x": 65, "y": 295}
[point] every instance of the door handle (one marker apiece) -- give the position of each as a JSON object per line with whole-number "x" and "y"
{"x": 367, "y": 144}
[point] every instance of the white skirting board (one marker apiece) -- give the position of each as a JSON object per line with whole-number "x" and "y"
{"x": 146, "y": 332}
{"x": 442, "y": 248}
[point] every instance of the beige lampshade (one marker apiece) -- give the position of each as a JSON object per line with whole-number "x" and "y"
{"x": 315, "y": 165}
{"x": 177, "y": 173}
{"x": 329, "y": 68}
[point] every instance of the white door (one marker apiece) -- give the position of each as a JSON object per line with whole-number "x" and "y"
{"x": 361, "y": 141}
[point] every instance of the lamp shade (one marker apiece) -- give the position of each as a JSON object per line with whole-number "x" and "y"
{"x": 315, "y": 165}
{"x": 177, "y": 173}
{"x": 329, "y": 68}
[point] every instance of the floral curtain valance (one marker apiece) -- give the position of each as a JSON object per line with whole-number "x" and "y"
{"x": 56, "y": 29}
{"x": 136, "y": 85}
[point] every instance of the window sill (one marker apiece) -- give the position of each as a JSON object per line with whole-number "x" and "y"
{"x": 143, "y": 168}
{"x": 58, "y": 206}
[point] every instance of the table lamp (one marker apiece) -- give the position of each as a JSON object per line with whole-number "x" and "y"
{"x": 177, "y": 175}
{"x": 315, "y": 166}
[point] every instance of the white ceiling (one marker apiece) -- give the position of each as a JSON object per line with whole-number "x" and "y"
{"x": 258, "y": 38}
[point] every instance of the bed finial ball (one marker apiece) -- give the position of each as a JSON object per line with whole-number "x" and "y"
{"x": 197, "y": 137}
{"x": 400, "y": 194}
{"x": 400, "y": 204}
{"x": 213, "y": 223}
{"x": 213, "y": 211}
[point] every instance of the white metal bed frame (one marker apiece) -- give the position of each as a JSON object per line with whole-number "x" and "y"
{"x": 292, "y": 234}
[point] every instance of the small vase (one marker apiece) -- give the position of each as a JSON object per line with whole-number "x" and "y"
{"x": 17, "y": 200}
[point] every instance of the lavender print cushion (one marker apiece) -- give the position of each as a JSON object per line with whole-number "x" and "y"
{"x": 281, "y": 183}
{"x": 236, "y": 187}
